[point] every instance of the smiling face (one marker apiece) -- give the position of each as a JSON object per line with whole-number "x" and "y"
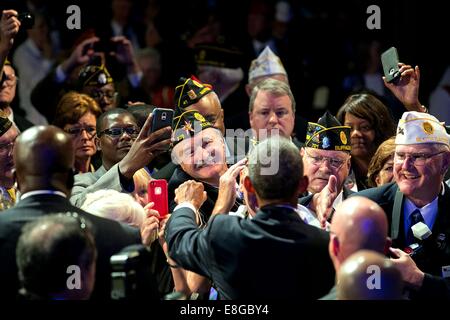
{"x": 272, "y": 112}
{"x": 362, "y": 136}
{"x": 202, "y": 156}
{"x": 420, "y": 180}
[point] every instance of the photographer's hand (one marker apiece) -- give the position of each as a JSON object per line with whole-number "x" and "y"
{"x": 149, "y": 227}
{"x": 406, "y": 89}
{"x": 125, "y": 54}
{"x": 411, "y": 274}
{"x": 9, "y": 27}
{"x": 81, "y": 55}
{"x": 144, "y": 149}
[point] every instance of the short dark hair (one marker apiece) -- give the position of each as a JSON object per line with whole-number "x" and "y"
{"x": 43, "y": 255}
{"x": 105, "y": 115}
{"x": 283, "y": 182}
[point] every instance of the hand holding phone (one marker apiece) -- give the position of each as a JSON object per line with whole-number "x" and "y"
{"x": 158, "y": 194}
{"x": 161, "y": 118}
{"x": 389, "y": 60}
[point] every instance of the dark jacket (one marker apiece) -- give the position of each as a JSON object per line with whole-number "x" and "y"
{"x": 275, "y": 255}
{"x": 110, "y": 238}
{"x": 435, "y": 252}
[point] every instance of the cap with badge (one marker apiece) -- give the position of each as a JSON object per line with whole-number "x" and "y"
{"x": 189, "y": 91}
{"x": 94, "y": 75}
{"x": 267, "y": 64}
{"x": 418, "y": 127}
{"x": 328, "y": 134}
{"x": 188, "y": 124}
{"x": 5, "y": 123}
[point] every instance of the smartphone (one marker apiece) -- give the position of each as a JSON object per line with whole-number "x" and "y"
{"x": 162, "y": 118}
{"x": 390, "y": 61}
{"x": 158, "y": 194}
{"x": 105, "y": 46}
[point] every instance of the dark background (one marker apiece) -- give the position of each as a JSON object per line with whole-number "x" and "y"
{"x": 321, "y": 44}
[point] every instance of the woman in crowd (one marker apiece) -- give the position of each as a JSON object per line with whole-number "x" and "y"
{"x": 77, "y": 114}
{"x": 371, "y": 124}
{"x": 381, "y": 166}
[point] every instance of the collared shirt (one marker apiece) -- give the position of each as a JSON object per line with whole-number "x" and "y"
{"x": 41, "y": 192}
{"x": 429, "y": 213}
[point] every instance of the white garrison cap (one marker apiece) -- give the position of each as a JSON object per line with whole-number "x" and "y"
{"x": 267, "y": 64}
{"x": 418, "y": 127}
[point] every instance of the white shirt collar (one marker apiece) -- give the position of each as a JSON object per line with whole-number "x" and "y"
{"x": 40, "y": 192}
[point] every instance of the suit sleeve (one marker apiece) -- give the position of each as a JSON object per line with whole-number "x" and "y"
{"x": 112, "y": 179}
{"x": 434, "y": 288}
{"x": 189, "y": 245}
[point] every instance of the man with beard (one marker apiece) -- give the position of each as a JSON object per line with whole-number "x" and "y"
{"x": 124, "y": 149}
{"x": 8, "y": 135}
{"x": 326, "y": 153}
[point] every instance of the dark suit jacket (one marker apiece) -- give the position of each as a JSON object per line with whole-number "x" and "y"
{"x": 273, "y": 256}
{"x": 110, "y": 238}
{"x": 436, "y": 249}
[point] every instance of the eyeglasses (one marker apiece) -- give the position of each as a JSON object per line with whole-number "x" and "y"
{"x": 418, "y": 159}
{"x": 117, "y": 132}
{"x": 77, "y": 131}
{"x": 318, "y": 160}
{"x": 6, "y": 148}
{"x": 100, "y": 94}
{"x": 9, "y": 80}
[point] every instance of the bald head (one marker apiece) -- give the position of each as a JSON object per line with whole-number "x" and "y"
{"x": 368, "y": 275}
{"x": 44, "y": 157}
{"x": 358, "y": 223}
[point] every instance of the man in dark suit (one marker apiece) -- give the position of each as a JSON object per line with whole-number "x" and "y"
{"x": 44, "y": 160}
{"x": 275, "y": 254}
{"x": 421, "y": 160}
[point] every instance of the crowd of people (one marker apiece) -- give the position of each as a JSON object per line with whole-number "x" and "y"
{"x": 250, "y": 187}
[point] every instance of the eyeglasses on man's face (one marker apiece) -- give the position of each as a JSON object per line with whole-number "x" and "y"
{"x": 418, "y": 159}
{"x": 318, "y": 160}
{"x": 116, "y": 132}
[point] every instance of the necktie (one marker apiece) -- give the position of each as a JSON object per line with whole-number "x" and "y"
{"x": 414, "y": 217}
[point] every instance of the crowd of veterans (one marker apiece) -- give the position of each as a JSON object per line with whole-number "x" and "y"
{"x": 355, "y": 206}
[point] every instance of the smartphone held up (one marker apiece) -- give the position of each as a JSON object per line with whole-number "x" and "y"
{"x": 389, "y": 60}
{"x": 158, "y": 194}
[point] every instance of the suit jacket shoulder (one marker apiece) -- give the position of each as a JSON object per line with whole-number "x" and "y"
{"x": 89, "y": 182}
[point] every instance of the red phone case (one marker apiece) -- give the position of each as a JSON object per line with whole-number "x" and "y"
{"x": 157, "y": 193}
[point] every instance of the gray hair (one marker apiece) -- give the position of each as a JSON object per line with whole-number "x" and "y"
{"x": 285, "y": 158}
{"x": 114, "y": 205}
{"x": 276, "y": 88}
